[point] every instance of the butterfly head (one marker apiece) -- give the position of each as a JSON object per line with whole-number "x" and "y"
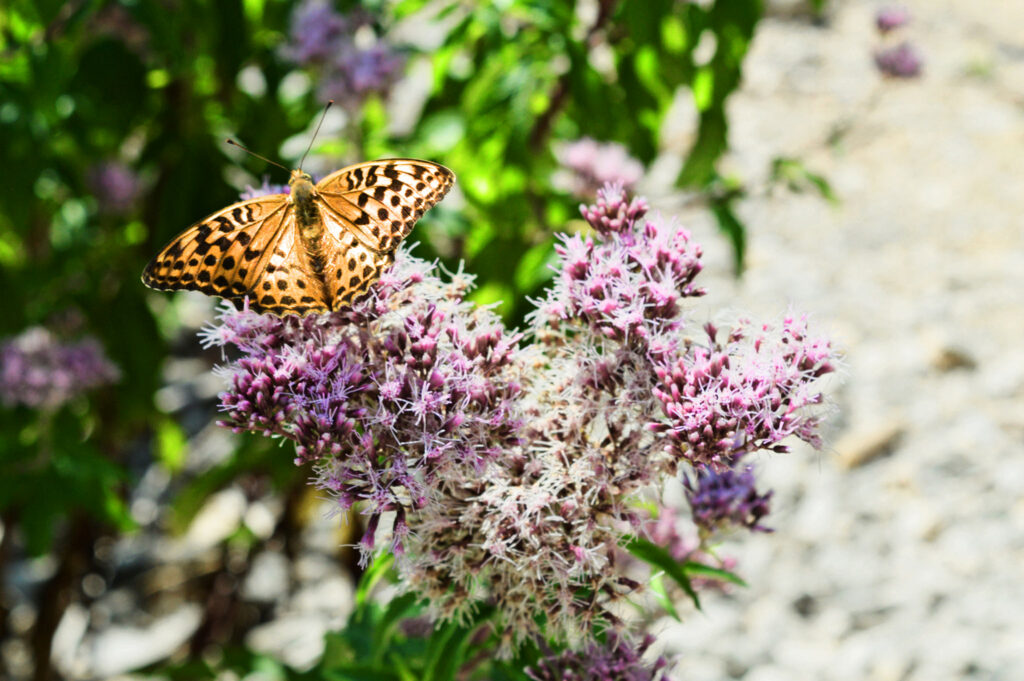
{"x": 299, "y": 176}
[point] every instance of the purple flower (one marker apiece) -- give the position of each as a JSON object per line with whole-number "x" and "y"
{"x": 627, "y": 286}
{"x": 591, "y": 165}
{"x": 385, "y": 397}
{"x": 901, "y": 61}
{"x": 510, "y": 463}
{"x": 356, "y": 73}
{"x": 618, "y": 659}
{"x": 38, "y": 372}
{"x": 891, "y": 18}
{"x": 264, "y": 189}
{"x": 726, "y": 498}
{"x": 115, "y": 186}
{"x": 664, "y": 531}
{"x": 324, "y": 40}
{"x": 723, "y": 399}
{"x": 317, "y": 33}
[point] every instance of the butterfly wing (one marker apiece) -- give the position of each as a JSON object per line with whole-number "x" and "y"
{"x": 367, "y": 210}
{"x": 250, "y": 248}
{"x": 352, "y": 267}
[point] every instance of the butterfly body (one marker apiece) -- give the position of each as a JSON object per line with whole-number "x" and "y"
{"x": 312, "y": 250}
{"x": 302, "y": 195}
{"x": 307, "y": 218}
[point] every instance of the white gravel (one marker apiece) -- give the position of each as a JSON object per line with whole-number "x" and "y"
{"x": 899, "y": 551}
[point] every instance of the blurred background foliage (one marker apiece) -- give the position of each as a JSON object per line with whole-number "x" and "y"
{"x": 113, "y": 117}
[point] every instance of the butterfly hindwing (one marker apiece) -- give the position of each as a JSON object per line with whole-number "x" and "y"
{"x": 283, "y": 281}
{"x": 350, "y": 267}
{"x": 380, "y": 201}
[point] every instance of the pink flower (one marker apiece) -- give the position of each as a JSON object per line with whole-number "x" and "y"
{"x": 591, "y": 165}
{"x": 513, "y": 461}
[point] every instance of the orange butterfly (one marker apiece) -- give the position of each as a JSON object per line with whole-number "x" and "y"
{"x": 313, "y": 250}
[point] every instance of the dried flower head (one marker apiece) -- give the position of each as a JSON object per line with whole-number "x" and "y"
{"x": 37, "y": 371}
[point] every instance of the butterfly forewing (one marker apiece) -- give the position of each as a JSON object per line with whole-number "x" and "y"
{"x": 210, "y": 256}
{"x": 380, "y": 201}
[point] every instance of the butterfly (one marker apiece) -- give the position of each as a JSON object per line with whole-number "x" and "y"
{"x": 314, "y": 250}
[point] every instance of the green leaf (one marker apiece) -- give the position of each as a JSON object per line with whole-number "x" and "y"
{"x": 659, "y": 557}
{"x": 798, "y": 177}
{"x": 378, "y": 569}
{"x": 398, "y": 609}
{"x": 657, "y": 586}
{"x": 534, "y": 266}
{"x": 695, "y": 569}
{"x": 732, "y": 228}
{"x": 673, "y": 35}
{"x": 447, "y": 647}
{"x": 703, "y": 88}
{"x": 359, "y": 672}
{"x": 171, "y": 445}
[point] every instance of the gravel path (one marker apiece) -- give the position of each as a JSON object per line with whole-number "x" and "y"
{"x": 899, "y": 551}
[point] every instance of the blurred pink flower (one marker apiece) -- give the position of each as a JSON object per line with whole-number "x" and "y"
{"x": 901, "y": 61}
{"x": 115, "y": 186}
{"x": 591, "y": 165}
{"x": 891, "y": 18}
{"x": 37, "y": 371}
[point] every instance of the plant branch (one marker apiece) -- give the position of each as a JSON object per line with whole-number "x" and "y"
{"x": 542, "y": 126}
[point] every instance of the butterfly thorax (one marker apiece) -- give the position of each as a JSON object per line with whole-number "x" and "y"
{"x": 302, "y": 193}
{"x": 307, "y": 217}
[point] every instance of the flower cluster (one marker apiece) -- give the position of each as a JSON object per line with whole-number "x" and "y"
{"x": 510, "y": 464}
{"x": 348, "y": 70}
{"x": 723, "y": 498}
{"x": 616, "y": 660}
{"x": 115, "y": 186}
{"x": 626, "y": 285}
{"x": 721, "y": 400}
{"x": 591, "y": 164}
{"x": 385, "y": 397}
{"x": 37, "y": 371}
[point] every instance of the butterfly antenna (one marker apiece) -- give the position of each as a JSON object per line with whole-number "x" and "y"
{"x": 262, "y": 158}
{"x": 315, "y": 132}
